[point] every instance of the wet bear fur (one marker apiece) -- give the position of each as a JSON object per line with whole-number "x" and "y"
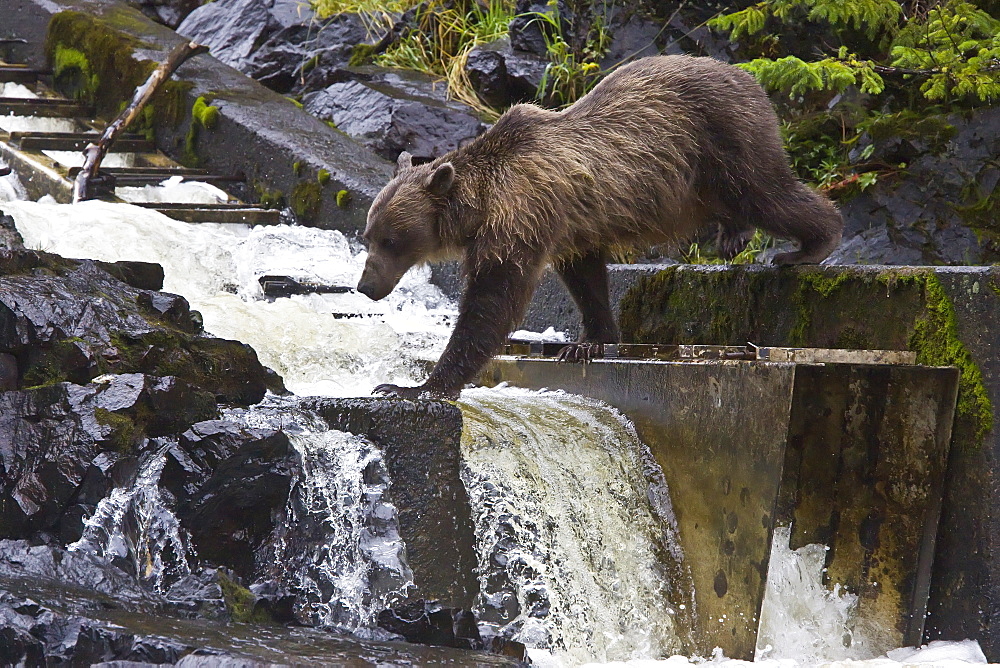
{"x": 659, "y": 151}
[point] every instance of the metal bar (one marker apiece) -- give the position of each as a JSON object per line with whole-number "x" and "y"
{"x": 21, "y": 74}
{"x": 44, "y": 107}
{"x": 75, "y": 141}
{"x": 216, "y": 213}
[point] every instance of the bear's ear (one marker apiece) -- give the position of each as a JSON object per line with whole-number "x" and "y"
{"x": 441, "y": 179}
{"x": 404, "y": 161}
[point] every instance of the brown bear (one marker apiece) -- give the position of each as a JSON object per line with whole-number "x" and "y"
{"x": 660, "y": 150}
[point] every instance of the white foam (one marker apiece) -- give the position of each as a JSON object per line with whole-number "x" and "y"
{"x": 174, "y": 189}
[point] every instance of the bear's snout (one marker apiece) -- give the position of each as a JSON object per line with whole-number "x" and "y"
{"x": 367, "y": 288}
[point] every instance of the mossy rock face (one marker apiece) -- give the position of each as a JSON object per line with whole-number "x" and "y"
{"x": 888, "y": 308}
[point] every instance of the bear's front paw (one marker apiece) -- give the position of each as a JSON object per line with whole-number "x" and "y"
{"x": 580, "y": 352}
{"x": 390, "y": 390}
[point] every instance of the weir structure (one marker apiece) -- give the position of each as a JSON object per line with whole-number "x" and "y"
{"x": 947, "y": 316}
{"x": 864, "y": 458}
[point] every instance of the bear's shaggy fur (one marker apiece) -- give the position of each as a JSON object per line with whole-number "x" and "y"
{"x": 660, "y": 150}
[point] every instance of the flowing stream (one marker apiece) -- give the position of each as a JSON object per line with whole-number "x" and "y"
{"x": 569, "y": 508}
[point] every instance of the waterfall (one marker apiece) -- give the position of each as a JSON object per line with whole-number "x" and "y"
{"x": 135, "y": 528}
{"x": 576, "y": 537}
{"x": 339, "y": 547}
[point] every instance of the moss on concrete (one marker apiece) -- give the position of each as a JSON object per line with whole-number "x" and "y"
{"x": 903, "y": 308}
{"x": 343, "y": 197}
{"x": 323, "y": 176}
{"x": 307, "y": 196}
{"x": 203, "y": 116}
{"x": 94, "y": 59}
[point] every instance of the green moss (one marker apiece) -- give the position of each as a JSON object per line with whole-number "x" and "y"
{"x": 297, "y": 168}
{"x": 94, "y": 59}
{"x": 269, "y": 198}
{"x": 934, "y": 130}
{"x": 323, "y": 176}
{"x": 343, "y": 197}
{"x": 295, "y": 102}
{"x": 306, "y": 199}
{"x": 239, "y": 600}
{"x": 59, "y": 362}
{"x": 936, "y": 341}
{"x": 125, "y": 434}
{"x": 899, "y": 308}
{"x": 72, "y": 74}
{"x": 361, "y": 53}
{"x": 203, "y": 116}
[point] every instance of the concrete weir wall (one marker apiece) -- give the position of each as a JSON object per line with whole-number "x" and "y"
{"x": 852, "y": 456}
{"x": 949, "y": 316}
{"x": 278, "y": 147}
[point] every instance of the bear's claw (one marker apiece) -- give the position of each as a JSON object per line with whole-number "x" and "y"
{"x": 580, "y": 352}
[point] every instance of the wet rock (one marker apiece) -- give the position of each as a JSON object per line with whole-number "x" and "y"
{"x": 168, "y": 12}
{"x": 943, "y": 209}
{"x": 234, "y": 29}
{"x": 8, "y": 372}
{"x": 429, "y": 623}
{"x": 233, "y": 513}
{"x": 302, "y": 56}
{"x": 10, "y": 238}
{"x": 47, "y": 565}
{"x": 142, "y": 275}
{"x": 395, "y": 111}
{"x": 55, "y": 327}
{"x": 35, "y": 634}
{"x": 502, "y": 76}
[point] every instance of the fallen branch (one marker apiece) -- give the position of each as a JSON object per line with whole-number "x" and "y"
{"x": 94, "y": 153}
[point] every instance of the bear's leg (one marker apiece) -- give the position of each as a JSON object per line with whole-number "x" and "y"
{"x": 495, "y": 299}
{"x": 791, "y": 210}
{"x": 586, "y": 278}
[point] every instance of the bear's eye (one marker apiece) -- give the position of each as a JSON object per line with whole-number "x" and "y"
{"x": 388, "y": 243}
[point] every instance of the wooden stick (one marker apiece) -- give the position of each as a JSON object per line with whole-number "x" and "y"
{"x": 94, "y": 153}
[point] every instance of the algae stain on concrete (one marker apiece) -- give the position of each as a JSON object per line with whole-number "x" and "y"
{"x": 93, "y": 60}
{"x": 904, "y": 308}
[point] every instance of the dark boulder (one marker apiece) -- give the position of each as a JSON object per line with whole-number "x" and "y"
{"x": 300, "y": 57}
{"x": 532, "y": 27}
{"x": 233, "y": 513}
{"x": 10, "y": 238}
{"x": 428, "y": 623}
{"x": 502, "y": 76}
{"x": 394, "y": 111}
{"x": 57, "y": 330}
{"x": 234, "y": 29}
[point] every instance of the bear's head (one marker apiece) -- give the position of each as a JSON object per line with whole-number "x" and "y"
{"x": 402, "y": 229}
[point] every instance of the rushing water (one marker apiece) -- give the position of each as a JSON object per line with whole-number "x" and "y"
{"x": 570, "y": 521}
{"x": 570, "y": 512}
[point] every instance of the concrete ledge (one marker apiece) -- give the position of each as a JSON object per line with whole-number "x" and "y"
{"x": 279, "y": 147}
{"x": 421, "y": 442}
